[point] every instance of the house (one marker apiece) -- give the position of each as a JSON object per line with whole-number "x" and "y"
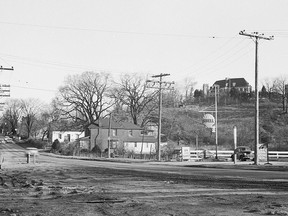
{"x": 123, "y": 135}
{"x": 84, "y": 142}
{"x": 66, "y": 136}
{"x": 227, "y": 84}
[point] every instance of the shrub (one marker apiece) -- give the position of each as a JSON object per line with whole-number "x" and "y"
{"x": 70, "y": 148}
{"x": 56, "y": 146}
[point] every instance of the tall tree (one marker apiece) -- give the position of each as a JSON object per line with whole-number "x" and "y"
{"x": 279, "y": 86}
{"x": 84, "y": 98}
{"x": 140, "y": 101}
{"x": 12, "y": 114}
{"x": 189, "y": 85}
{"x": 31, "y": 109}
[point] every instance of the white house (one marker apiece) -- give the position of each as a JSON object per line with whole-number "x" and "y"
{"x": 68, "y": 136}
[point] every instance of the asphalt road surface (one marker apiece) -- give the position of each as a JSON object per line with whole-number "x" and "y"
{"x": 64, "y": 186}
{"x": 14, "y": 154}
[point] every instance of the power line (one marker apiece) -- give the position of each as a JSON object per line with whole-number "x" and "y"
{"x": 114, "y": 31}
{"x": 38, "y": 89}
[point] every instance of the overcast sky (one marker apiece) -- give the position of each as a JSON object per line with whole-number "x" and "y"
{"x": 45, "y": 40}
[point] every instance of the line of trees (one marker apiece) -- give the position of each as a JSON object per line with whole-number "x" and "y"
{"x": 86, "y": 97}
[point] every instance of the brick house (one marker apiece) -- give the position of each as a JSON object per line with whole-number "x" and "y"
{"x": 122, "y": 135}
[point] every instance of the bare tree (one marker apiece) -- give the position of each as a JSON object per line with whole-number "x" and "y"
{"x": 12, "y": 114}
{"x": 133, "y": 94}
{"x": 269, "y": 85}
{"x": 31, "y": 109}
{"x": 83, "y": 98}
{"x": 49, "y": 120}
{"x": 189, "y": 85}
{"x": 279, "y": 87}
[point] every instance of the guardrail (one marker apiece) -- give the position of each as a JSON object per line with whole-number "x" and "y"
{"x": 199, "y": 154}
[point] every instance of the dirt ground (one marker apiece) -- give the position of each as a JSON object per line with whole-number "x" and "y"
{"x": 43, "y": 189}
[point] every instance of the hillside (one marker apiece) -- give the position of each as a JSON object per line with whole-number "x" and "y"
{"x": 182, "y": 125}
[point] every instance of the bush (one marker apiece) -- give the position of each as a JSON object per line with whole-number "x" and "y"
{"x": 40, "y": 144}
{"x": 56, "y": 146}
{"x": 69, "y": 148}
{"x": 97, "y": 150}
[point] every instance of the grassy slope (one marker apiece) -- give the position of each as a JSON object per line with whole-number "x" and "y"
{"x": 271, "y": 119}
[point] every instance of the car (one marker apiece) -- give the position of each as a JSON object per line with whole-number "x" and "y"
{"x": 8, "y": 139}
{"x": 243, "y": 153}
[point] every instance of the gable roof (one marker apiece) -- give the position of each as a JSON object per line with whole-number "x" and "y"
{"x": 104, "y": 124}
{"x": 239, "y": 82}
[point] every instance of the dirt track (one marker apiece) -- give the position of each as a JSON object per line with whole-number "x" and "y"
{"x": 50, "y": 189}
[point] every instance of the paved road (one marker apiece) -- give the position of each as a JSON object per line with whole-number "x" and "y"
{"x": 15, "y": 155}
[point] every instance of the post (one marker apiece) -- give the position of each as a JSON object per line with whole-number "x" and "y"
{"x": 216, "y": 125}
{"x": 159, "y": 122}
{"x": 109, "y": 132}
{"x": 235, "y": 143}
{"x": 197, "y": 146}
{"x": 28, "y": 157}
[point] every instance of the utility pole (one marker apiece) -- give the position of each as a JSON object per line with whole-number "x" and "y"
{"x": 167, "y": 85}
{"x": 256, "y": 36}
{"x": 216, "y": 121}
{"x": 4, "y": 89}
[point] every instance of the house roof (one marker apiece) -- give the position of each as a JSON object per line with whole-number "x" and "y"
{"x": 104, "y": 124}
{"x": 239, "y": 82}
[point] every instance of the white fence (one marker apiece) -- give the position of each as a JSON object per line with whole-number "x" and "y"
{"x": 199, "y": 154}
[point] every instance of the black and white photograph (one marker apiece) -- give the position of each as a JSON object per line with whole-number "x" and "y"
{"x": 143, "y": 107}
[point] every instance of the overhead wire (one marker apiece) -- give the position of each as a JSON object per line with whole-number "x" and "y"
{"x": 113, "y": 31}
{"x": 224, "y": 56}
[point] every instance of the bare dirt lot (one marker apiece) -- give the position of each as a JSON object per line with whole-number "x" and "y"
{"x": 48, "y": 188}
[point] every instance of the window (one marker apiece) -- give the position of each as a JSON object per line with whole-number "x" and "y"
{"x": 60, "y": 136}
{"x": 135, "y": 145}
{"x": 114, "y": 132}
{"x": 68, "y": 137}
{"x": 114, "y": 144}
{"x": 130, "y": 132}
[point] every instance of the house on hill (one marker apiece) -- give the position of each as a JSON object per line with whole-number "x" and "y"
{"x": 121, "y": 135}
{"x": 238, "y": 83}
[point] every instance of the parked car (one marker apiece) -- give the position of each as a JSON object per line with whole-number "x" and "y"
{"x": 243, "y": 153}
{"x": 8, "y": 139}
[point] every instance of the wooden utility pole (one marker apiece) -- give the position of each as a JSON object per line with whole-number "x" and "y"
{"x": 4, "y": 89}
{"x": 256, "y": 36}
{"x": 160, "y": 86}
{"x": 216, "y": 121}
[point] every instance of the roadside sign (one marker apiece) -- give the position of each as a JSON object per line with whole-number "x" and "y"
{"x": 185, "y": 153}
{"x": 262, "y": 152}
{"x": 208, "y": 120}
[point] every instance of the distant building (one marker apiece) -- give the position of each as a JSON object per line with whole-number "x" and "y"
{"x": 66, "y": 136}
{"x": 227, "y": 84}
{"x": 205, "y": 89}
{"x": 122, "y": 135}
